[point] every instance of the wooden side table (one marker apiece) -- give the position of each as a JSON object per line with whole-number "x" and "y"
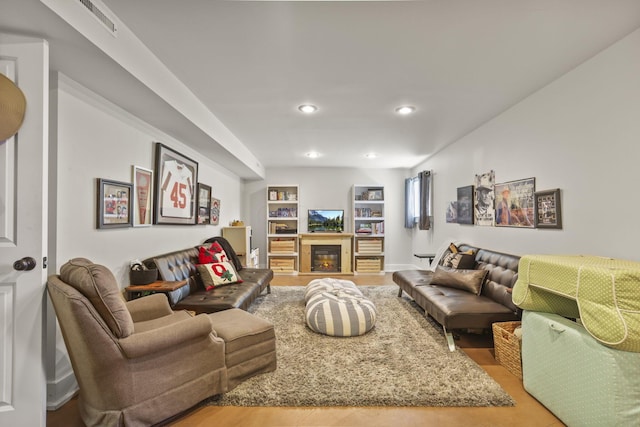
{"x": 137, "y": 291}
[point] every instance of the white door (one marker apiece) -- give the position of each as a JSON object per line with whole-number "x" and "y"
{"x": 23, "y": 233}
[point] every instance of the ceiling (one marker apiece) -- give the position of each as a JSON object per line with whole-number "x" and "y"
{"x": 251, "y": 63}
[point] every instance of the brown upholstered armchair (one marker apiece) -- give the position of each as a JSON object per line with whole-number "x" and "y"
{"x": 137, "y": 362}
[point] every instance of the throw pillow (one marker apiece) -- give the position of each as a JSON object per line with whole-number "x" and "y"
{"x": 218, "y": 273}
{"x": 463, "y": 261}
{"x": 213, "y": 253}
{"x": 466, "y": 280}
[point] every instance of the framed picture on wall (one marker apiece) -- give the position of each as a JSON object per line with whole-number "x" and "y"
{"x": 548, "y": 209}
{"x": 175, "y": 196}
{"x": 515, "y": 203}
{"x": 141, "y": 201}
{"x": 204, "y": 204}
{"x": 114, "y": 204}
{"x": 464, "y": 205}
{"x": 215, "y": 211}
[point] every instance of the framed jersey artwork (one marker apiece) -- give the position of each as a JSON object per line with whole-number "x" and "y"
{"x": 176, "y": 177}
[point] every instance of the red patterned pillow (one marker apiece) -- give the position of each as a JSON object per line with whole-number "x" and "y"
{"x": 218, "y": 273}
{"x": 213, "y": 253}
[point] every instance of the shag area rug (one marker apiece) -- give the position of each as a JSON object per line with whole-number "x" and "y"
{"x": 402, "y": 361}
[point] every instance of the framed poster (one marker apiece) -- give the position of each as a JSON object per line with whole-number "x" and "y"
{"x": 548, "y": 210}
{"x": 483, "y": 209}
{"x": 175, "y": 187}
{"x": 451, "y": 214}
{"x": 204, "y": 204}
{"x": 114, "y": 204}
{"x": 465, "y": 205}
{"x": 141, "y": 202}
{"x": 515, "y": 203}
{"x": 215, "y": 211}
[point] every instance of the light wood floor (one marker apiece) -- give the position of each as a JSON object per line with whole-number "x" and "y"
{"x": 527, "y": 412}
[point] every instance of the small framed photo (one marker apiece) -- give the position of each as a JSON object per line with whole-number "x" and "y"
{"x": 375, "y": 194}
{"x": 114, "y": 204}
{"x": 204, "y": 204}
{"x": 175, "y": 187}
{"x": 142, "y": 191}
{"x": 215, "y": 211}
{"x": 548, "y": 209}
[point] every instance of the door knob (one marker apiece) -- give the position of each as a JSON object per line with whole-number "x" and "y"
{"x": 25, "y": 264}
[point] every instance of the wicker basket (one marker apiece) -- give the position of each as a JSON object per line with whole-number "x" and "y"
{"x": 508, "y": 346}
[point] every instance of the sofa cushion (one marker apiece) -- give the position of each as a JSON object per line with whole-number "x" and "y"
{"x": 224, "y": 243}
{"x": 457, "y": 257}
{"x": 213, "y": 253}
{"x": 98, "y": 285}
{"x": 467, "y": 280}
{"x": 463, "y": 261}
{"x": 218, "y": 273}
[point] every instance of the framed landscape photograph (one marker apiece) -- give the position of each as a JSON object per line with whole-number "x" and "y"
{"x": 215, "y": 211}
{"x": 548, "y": 210}
{"x": 114, "y": 204}
{"x": 464, "y": 205}
{"x": 175, "y": 196}
{"x": 142, "y": 191}
{"x": 515, "y": 203}
{"x": 204, "y": 204}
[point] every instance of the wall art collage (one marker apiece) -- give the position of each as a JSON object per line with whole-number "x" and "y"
{"x": 507, "y": 204}
{"x": 168, "y": 194}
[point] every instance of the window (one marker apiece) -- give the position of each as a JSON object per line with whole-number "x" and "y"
{"x": 418, "y": 201}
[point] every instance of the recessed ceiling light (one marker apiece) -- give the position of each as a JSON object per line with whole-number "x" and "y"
{"x": 405, "y": 109}
{"x": 312, "y": 154}
{"x": 308, "y": 108}
{"x": 371, "y": 155}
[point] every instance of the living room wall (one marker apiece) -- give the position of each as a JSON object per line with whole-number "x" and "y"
{"x": 96, "y": 139}
{"x": 92, "y": 138}
{"x": 580, "y": 133}
{"x": 330, "y": 188}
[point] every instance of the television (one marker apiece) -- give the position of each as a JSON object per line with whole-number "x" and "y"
{"x": 325, "y": 221}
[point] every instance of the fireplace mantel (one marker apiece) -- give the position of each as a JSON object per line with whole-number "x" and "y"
{"x": 310, "y": 239}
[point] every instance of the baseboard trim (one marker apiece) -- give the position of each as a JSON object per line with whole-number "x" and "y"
{"x": 61, "y": 390}
{"x": 398, "y": 267}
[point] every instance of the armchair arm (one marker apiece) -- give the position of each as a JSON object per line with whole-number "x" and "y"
{"x": 157, "y": 340}
{"x": 149, "y": 307}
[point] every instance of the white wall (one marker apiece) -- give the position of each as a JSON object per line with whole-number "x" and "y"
{"x": 96, "y": 139}
{"x": 580, "y": 133}
{"x": 330, "y": 188}
{"x": 92, "y": 138}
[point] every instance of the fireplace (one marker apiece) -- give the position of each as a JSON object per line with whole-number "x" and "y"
{"x": 325, "y": 258}
{"x": 326, "y": 253}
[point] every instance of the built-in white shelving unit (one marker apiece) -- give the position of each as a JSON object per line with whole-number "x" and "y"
{"x": 282, "y": 228}
{"x": 368, "y": 228}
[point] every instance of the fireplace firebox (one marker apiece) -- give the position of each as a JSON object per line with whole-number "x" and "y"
{"x": 325, "y": 258}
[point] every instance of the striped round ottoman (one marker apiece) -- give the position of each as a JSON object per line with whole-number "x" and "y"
{"x": 340, "y": 312}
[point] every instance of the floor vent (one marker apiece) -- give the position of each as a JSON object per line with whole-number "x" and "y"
{"x": 91, "y": 7}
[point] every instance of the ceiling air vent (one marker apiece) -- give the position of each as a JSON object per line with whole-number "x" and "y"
{"x": 95, "y": 11}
